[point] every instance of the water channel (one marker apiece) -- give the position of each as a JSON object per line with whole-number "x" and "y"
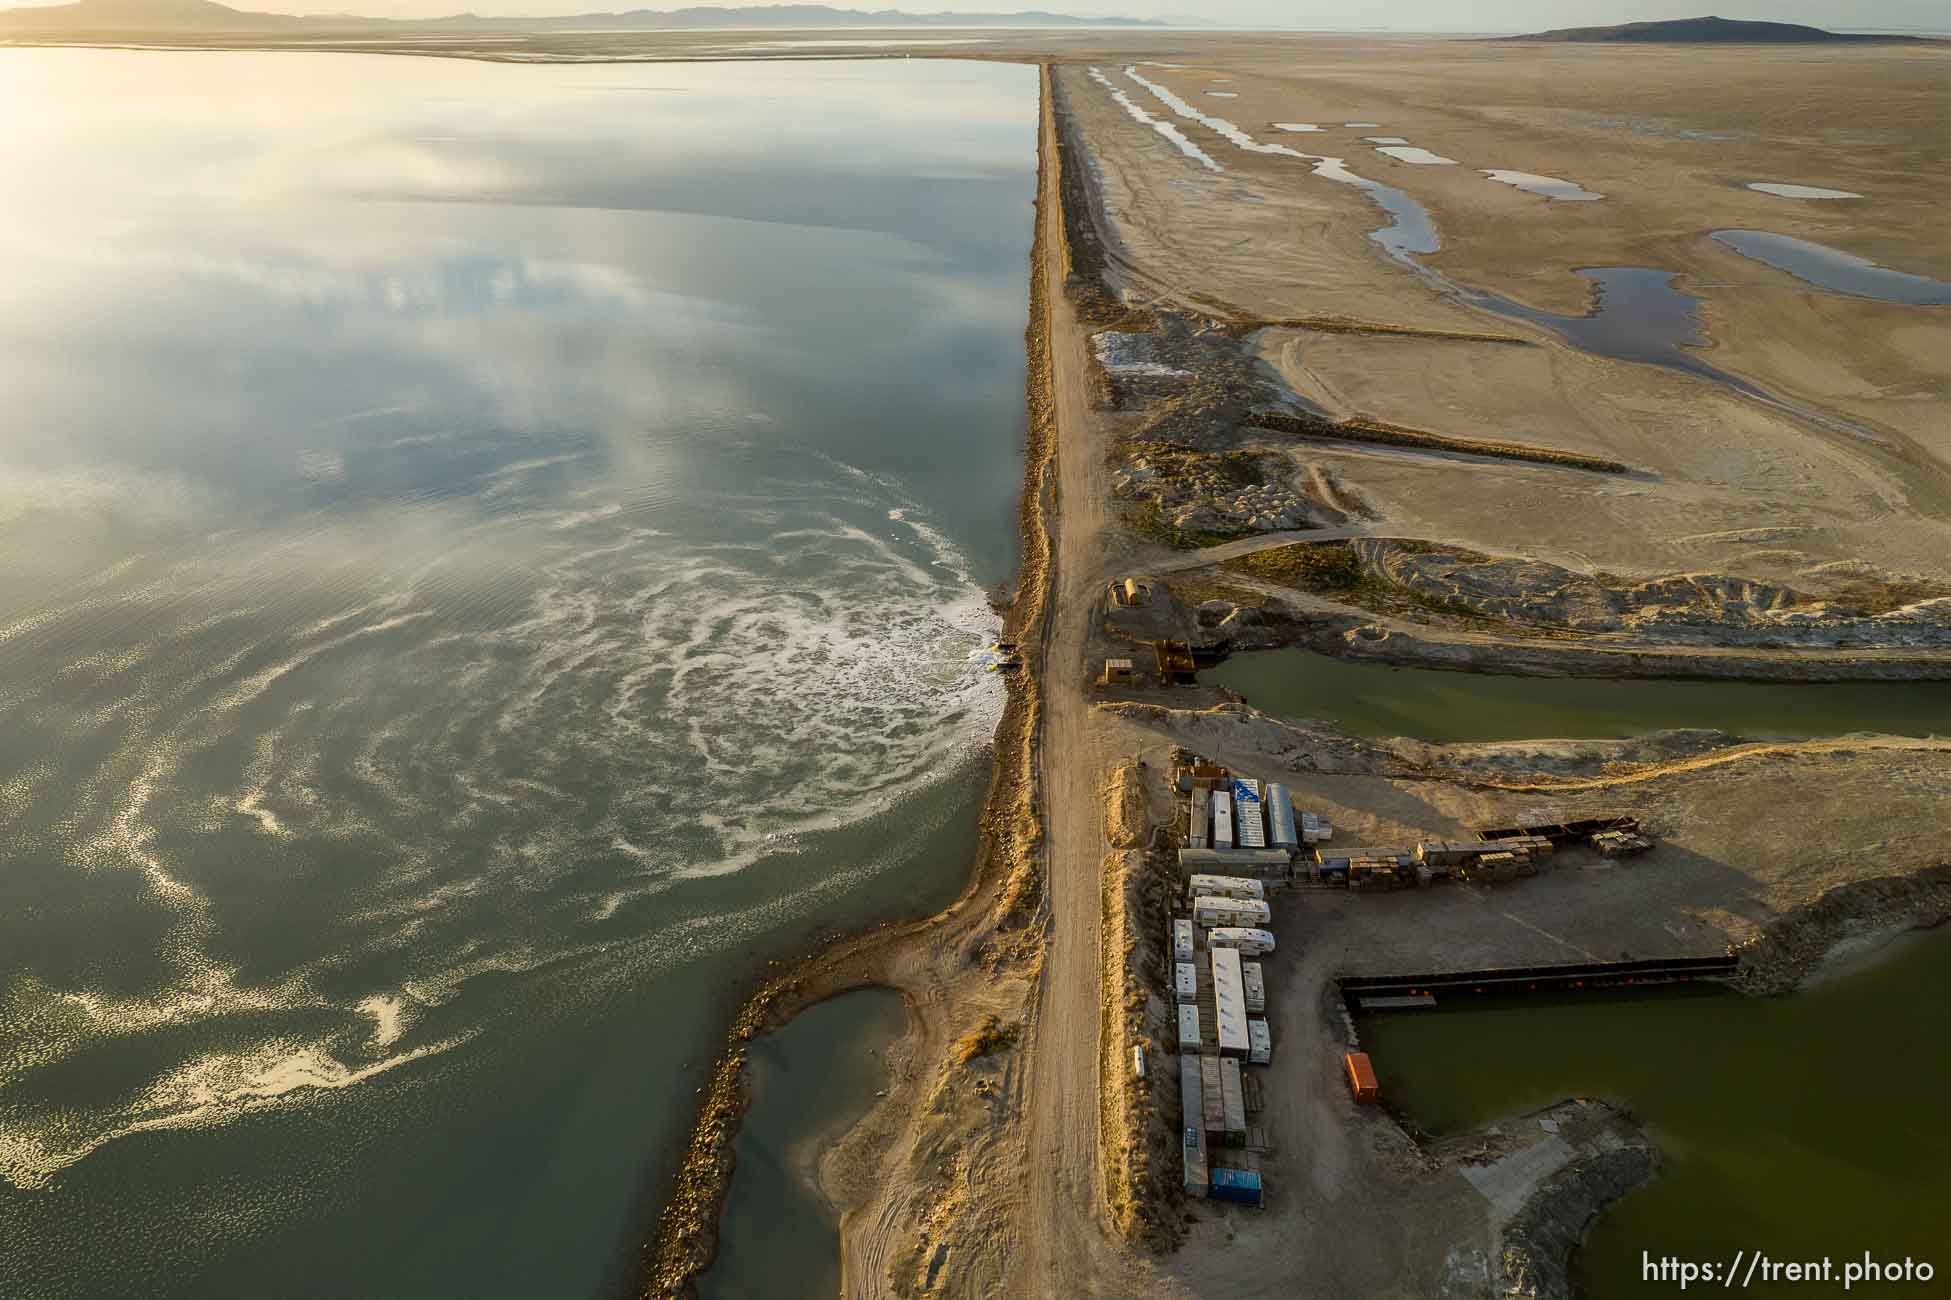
{"x": 1377, "y": 699}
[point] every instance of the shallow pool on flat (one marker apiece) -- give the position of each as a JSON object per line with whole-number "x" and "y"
{"x": 1412, "y": 154}
{"x": 1549, "y": 187}
{"x": 1639, "y": 316}
{"x": 811, "y": 1081}
{"x": 1785, "y": 191}
{"x": 1375, "y": 699}
{"x": 1835, "y": 270}
{"x": 1804, "y": 1126}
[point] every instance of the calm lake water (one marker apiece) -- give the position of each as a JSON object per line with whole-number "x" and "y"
{"x": 1803, "y": 1126}
{"x": 1376, "y": 699}
{"x": 810, "y": 1082}
{"x": 490, "y": 555}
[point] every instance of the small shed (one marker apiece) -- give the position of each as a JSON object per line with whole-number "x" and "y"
{"x": 1118, "y": 672}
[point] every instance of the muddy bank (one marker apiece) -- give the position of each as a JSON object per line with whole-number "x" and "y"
{"x": 1534, "y": 1257}
{"x": 1787, "y": 952}
{"x": 980, "y": 929}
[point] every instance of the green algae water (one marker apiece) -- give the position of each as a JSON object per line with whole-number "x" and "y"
{"x": 810, "y": 1081}
{"x": 489, "y": 556}
{"x": 1800, "y": 1126}
{"x": 1376, "y": 699}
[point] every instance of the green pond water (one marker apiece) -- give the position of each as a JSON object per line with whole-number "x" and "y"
{"x": 810, "y": 1082}
{"x": 490, "y": 555}
{"x": 1800, "y": 1126}
{"x": 1373, "y": 699}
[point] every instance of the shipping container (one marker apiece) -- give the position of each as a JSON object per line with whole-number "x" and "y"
{"x": 1232, "y": 1101}
{"x": 1210, "y": 911}
{"x": 1181, "y": 939}
{"x": 1212, "y": 1115}
{"x": 1192, "y": 1107}
{"x": 1206, "y": 886}
{"x": 1249, "y": 822}
{"x": 1229, "y": 1002}
{"x": 1185, "y": 981}
{"x": 1199, "y": 814}
{"x": 1240, "y": 1186}
{"x": 1256, "y": 986}
{"x": 1222, "y": 820}
{"x": 1251, "y": 943}
{"x": 1188, "y": 1029}
{"x": 1260, "y": 1042}
{"x": 1280, "y": 818}
{"x": 1195, "y": 1182}
{"x": 1361, "y": 1077}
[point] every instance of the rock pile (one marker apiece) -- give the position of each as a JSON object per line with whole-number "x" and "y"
{"x": 1203, "y": 493}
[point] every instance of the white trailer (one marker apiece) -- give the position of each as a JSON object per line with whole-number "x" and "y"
{"x": 1185, "y": 981}
{"x": 1188, "y": 1029}
{"x": 1251, "y": 943}
{"x": 1256, "y": 987}
{"x": 1222, "y": 820}
{"x": 1260, "y": 1042}
{"x": 1249, "y": 826}
{"x": 1181, "y": 939}
{"x": 1210, "y": 911}
{"x": 1204, "y": 886}
{"x": 1229, "y": 1002}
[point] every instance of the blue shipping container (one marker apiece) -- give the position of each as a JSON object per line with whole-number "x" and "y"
{"x": 1238, "y": 1185}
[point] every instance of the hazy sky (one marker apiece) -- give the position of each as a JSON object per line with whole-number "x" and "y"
{"x": 1307, "y": 15}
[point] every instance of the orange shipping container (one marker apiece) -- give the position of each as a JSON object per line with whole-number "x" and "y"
{"x": 1361, "y": 1077}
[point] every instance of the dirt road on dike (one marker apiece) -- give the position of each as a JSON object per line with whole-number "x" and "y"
{"x": 1067, "y": 1251}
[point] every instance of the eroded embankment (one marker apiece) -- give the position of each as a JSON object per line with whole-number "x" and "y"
{"x": 1305, "y": 425}
{"x": 996, "y": 911}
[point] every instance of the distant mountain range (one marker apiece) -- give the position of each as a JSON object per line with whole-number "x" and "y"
{"x": 93, "y": 16}
{"x": 1708, "y": 31}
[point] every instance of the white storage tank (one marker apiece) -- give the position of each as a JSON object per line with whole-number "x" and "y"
{"x": 1230, "y": 911}
{"x": 1188, "y": 1029}
{"x": 1204, "y": 886}
{"x": 1181, "y": 939}
{"x": 1270, "y": 863}
{"x": 1256, "y": 986}
{"x": 1185, "y": 981}
{"x": 1222, "y": 820}
{"x": 1260, "y": 1042}
{"x": 1250, "y": 942}
{"x": 1249, "y": 827}
{"x": 1281, "y": 832}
